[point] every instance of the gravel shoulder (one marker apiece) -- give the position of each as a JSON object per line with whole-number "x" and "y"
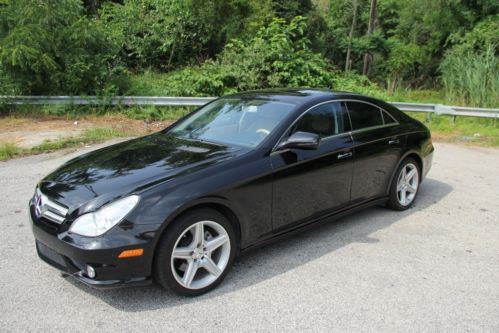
{"x": 434, "y": 267}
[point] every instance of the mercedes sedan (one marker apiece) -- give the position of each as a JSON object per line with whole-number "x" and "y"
{"x": 177, "y": 206}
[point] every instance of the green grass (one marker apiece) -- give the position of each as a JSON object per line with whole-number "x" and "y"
{"x": 8, "y": 150}
{"x": 150, "y": 84}
{"x": 419, "y": 96}
{"x": 76, "y": 111}
{"x": 481, "y": 131}
{"x": 89, "y": 136}
{"x": 471, "y": 77}
{"x": 157, "y": 113}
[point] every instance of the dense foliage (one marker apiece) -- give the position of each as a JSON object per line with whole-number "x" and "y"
{"x": 50, "y": 46}
{"x": 211, "y": 47}
{"x": 277, "y": 56}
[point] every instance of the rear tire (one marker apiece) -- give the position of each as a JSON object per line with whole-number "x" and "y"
{"x": 195, "y": 253}
{"x": 405, "y": 185}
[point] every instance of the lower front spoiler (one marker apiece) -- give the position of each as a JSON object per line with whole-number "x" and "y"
{"x": 72, "y": 269}
{"x": 109, "y": 284}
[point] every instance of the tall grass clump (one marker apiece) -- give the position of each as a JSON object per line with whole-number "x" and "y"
{"x": 8, "y": 150}
{"x": 472, "y": 78}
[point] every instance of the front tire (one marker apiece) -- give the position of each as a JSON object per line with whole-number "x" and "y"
{"x": 405, "y": 185}
{"x": 196, "y": 252}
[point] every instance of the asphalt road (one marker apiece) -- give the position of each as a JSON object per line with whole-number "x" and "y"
{"x": 433, "y": 268}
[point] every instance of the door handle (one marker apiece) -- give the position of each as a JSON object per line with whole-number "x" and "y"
{"x": 344, "y": 155}
{"x": 394, "y": 142}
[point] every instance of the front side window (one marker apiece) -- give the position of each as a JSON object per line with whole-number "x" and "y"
{"x": 364, "y": 115}
{"x": 236, "y": 121}
{"x": 325, "y": 120}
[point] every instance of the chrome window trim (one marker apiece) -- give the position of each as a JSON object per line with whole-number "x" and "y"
{"x": 298, "y": 118}
{"x": 343, "y": 100}
{"x": 370, "y": 128}
{"x": 381, "y": 110}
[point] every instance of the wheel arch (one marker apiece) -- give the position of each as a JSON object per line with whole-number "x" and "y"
{"x": 218, "y": 204}
{"x": 412, "y": 154}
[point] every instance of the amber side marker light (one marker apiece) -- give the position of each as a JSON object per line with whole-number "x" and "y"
{"x": 131, "y": 253}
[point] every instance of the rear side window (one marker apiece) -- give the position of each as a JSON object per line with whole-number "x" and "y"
{"x": 388, "y": 118}
{"x": 326, "y": 120}
{"x": 364, "y": 115}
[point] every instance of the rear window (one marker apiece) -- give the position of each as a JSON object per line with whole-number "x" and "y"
{"x": 364, "y": 115}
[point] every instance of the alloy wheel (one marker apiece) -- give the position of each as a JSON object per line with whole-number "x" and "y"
{"x": 407, "y": 184}
{"x": 200, "y": 254}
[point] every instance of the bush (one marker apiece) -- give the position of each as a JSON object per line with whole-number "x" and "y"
{"x": 278, "y": 56}
{"x": 358, "y": 84}
{"x": 159, "y": 34}
{"x": 471, "y": 78}
{"x": 470, "y": 69}
{"x": 51, "y": 47}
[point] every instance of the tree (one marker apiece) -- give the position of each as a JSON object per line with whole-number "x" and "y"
{"x": 51, "y": 47}
{"x": 370, "y": 29}
{"x": 348, "y": 61}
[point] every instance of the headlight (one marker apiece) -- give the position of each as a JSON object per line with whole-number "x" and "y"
{"x": 97, "y": 223}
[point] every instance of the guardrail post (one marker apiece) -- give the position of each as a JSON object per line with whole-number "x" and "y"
{"x": 429, "y": 117}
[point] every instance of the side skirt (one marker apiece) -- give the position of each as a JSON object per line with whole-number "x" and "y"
{"x": 314, "y": 223}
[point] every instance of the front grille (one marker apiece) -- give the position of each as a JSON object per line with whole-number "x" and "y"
{"x": 49, "y": 209}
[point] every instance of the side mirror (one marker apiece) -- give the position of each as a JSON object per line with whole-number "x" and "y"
{"x": 301, "y": 140}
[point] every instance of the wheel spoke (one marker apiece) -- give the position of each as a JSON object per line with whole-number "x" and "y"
{"x": 215, "y": 243}
{"x": 183, "y": 253}
{"x": 198, "y": 234}
{"x": 210, "y": 266}
{"x": 402, "y": 197}
{"x": 411, "y": 188}
{"x": 410, "y": 175}
{"x": 190, "y": 272}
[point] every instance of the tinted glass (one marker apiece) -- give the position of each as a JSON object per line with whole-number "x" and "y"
{"x": 364, "y": 115}
{"x": 387, "y": 118}
{"x": 325, "y": 120}
{"x": 245, "y": 122}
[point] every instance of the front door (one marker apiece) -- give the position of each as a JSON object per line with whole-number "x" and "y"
{"x": 311, "y": 183}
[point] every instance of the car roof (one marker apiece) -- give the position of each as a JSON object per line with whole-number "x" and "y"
{"x": 298, "y": 95}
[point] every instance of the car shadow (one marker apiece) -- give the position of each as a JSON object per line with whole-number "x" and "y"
{"x": 278, "y": 258}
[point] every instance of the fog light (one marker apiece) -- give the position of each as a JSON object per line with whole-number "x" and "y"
{"x": 90, "y": 271}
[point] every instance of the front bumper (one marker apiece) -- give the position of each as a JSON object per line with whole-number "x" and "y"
{"x": 72, "y": 253}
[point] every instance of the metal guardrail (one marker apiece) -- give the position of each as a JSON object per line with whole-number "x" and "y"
{"x": 197, "y": 101}
{"x": 455, "y": 111}
{"x": 96, "y": 100}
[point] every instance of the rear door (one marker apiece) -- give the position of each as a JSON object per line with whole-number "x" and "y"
{"x": 377, "y": 149}
{"x": 310, "y": 183}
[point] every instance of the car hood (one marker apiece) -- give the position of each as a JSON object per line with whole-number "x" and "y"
{"x": 130, "y": 166}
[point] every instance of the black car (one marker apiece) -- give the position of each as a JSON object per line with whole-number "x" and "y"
{"x": 177, "y": 206}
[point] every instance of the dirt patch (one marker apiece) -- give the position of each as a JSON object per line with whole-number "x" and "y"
{"x": 27, "y": 132}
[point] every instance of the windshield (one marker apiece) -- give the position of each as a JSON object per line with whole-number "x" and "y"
{"x": 235, "y": 121}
